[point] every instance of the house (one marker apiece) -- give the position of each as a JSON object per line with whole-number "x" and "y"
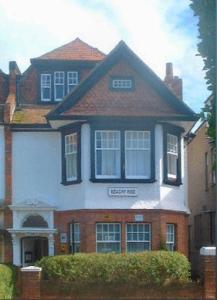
{"x": 201, "y": 191}
{"x": 97, "y": 155}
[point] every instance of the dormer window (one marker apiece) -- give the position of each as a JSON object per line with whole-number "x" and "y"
{"x": 72, "y": 80}
{"x": 59, "y": 90}
{"x": 45, "y": 87}
{"x": 122, "y": 83}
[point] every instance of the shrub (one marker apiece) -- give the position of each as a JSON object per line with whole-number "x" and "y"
{"x": 142, "y": 269}
{"x": 7, "y": 281}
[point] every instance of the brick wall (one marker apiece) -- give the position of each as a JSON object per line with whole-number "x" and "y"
{"x": 89, "y": 218}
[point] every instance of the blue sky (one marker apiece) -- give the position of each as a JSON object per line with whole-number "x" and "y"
{"x": 158, "y": 31}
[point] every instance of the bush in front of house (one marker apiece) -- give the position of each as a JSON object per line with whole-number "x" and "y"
{"x": 138, "y": 270}
{"x": 7, "y": 281}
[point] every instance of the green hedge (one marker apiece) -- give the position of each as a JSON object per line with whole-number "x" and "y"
{"x": 143, "y": 269}
{"x": 7, "y": 281}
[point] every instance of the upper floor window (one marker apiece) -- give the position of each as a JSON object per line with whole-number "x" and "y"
{"x": 59, "y": 86}
{"x": 71, "y": 156}
{"x": 172, "y": 157}
{"x": 56, "y": 85}
{"x": 122, "y": 83}
{"x": 123, "y": 155}
{"x": 45, "y": 87}
{"x": 72, "y": 78}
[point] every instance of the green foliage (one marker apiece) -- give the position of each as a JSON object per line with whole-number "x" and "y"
{"x": 206, "y": 12}
{"x": 138, "y": 270}
{"x": 7, "y": 281}
{"x": 163, "y": 245}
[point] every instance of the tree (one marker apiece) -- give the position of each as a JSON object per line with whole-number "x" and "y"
{"x": 206, "y": 12}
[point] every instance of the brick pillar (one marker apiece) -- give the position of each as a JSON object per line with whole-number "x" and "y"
{"x": 208, "y": 269}
{"x": 30, "y": 283}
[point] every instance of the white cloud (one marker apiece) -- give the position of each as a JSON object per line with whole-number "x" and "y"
{"x": 150, "y": 27}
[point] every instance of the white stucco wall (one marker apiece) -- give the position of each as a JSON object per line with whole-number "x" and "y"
{"x": 2, "y": 164}
{"x": 37, "y": 175}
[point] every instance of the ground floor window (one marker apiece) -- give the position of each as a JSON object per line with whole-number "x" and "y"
{"x": 108, "y": 237}
{"x": 138, "y": 237}
{"x": 170, "y": 241}
{"x": 75, "y": 237}
{"x": 1, "y": 248}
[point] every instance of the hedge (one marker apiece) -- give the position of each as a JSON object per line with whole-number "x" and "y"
{"x": 157, "y": 268}
{"x": 7, "y": 282}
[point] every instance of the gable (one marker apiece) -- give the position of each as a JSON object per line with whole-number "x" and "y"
{"x": 138, "y": 103}
{"x": 142, "y": 100}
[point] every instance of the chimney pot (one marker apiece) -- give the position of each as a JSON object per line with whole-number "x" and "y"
{"x": 169, "y": 69}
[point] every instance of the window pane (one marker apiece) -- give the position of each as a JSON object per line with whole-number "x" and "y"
{"x": 170, "y": 240}
{"x": 138, "y": 237}
{"x": 107, "y": 152}
{"x": 137, "y": 154}
{"x": 172, "y": 155}
{"x": 75, "y": 237}
{"x": 45, "y": 87}
{"x": 71, "y": 156}
{"x": 72, "y": 80}
{"x": 59, "y": 89}
{"x": 108, "y": 237}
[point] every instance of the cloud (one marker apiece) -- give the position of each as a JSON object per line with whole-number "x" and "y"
{"x": 158, "y": 31}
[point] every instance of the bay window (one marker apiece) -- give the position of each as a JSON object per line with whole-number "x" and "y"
{"x": 71, "y": 153}
{"x": 170, "y": 238}
{"x": 108, "y": 237}
{"x": 138, "y": 237}
{"x": 172, "y": 156}
{"x": 122, "y": 155}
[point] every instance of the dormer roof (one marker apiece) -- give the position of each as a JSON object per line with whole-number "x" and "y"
{"x": 76, "y": 50}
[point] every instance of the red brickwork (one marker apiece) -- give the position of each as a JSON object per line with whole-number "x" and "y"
{"x": 8, "y": 165}
{"x": 4, "y": 87}
{"x": 101, "y": 100}
{"x": 30, "y": 285}
{"x": 89, "y": 218}
{"x": 209, "y": 277}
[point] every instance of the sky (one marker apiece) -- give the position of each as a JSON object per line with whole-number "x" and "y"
{"x": 158, "y": 31}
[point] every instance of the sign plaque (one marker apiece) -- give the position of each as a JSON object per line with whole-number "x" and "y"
{"x": 122, "y": 192}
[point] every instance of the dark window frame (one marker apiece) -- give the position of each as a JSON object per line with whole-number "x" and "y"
{"x": 176, "y": 131}
{"x": 52, "y": 93}
{"x": 67, "y": 131}
{"x": 120, "y": 77}
{"x": 122, "y": 128}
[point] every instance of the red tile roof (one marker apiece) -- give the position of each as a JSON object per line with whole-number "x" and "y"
{"x": 75, "y": 50}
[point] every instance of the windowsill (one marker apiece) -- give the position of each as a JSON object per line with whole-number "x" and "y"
{"x": 77, "y": 181}
{"x": 122, "y": 180}
{"x": 171, "y": 182}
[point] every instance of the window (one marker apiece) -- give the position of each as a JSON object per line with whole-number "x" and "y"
{"x": 45, "y": 87}
{"x": 206, "y": 165}
{"x": 122, "y": 84}
{"x": 122, "y": 155}
{"x": 59, "y": 88}
{"x": 108, "y": 237}
{"x": 107, "y": 153}
{"x": 71, "y": 156}
{"x": 137, "y": 154}
{"x": 172, "y": 156}
{"x": 170, "y": 241}
{"x": 138, "y": 237}
{"x": 213, "y": 165}
{"x": 72, "y": 80}
{"x": 1, "y": 248}
{"x": 75, "y": 237}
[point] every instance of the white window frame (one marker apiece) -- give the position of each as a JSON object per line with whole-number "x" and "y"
{"x": 75, "y": 228}
{"x": 174, "y": 154}
{"x": 71, "y": 85}
{"x": 108, "y": 241}
{"x": 107, "y": 148}
{"x": 59, "y": 84}
{"x": 137, "y": 233}
{"x": 45, "y": 85}
{"x": 122, "y": 83}
{"x": 73, "y": 135}
{"x": 137, "y": 149}
{"x": 170, "y": 242}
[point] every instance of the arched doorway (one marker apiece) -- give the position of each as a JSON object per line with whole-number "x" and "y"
{"x": 33, "y": 249}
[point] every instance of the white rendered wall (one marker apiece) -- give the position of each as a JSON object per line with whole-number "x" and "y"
{"x": 37, "y": 175}
{"x": 2, "y": 164}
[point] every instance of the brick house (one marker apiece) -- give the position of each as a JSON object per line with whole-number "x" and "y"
{"x": 95, "y": 157}
{"x": 201, "y": 191}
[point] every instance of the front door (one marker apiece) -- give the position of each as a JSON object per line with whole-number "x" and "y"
{"x": 33, "y": 249}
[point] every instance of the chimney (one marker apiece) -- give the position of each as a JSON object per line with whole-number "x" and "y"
{"x": 174, "y": 83}
{"x": 13, "y": 72}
